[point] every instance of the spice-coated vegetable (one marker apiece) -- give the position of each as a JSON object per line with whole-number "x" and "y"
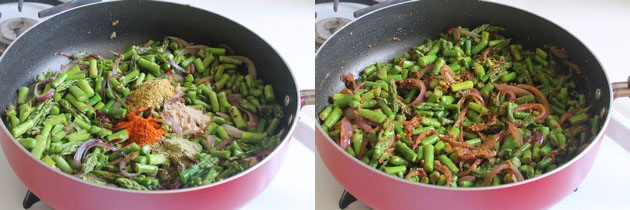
{"x": 468, "y": 104}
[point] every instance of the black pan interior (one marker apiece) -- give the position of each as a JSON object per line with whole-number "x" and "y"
{"x": 89, "y": 29}
{"x": 371, "y": 39}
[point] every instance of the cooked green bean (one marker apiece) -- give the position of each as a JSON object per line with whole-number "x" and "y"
{"x": 149, "y": 111}
{"x": 487, "y": 103}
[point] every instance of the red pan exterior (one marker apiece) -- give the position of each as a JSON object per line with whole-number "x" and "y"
{"x": 61, "y": 192}
{"x": 381, "y": 191}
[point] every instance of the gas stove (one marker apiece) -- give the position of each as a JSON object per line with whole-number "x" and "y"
{"x": 18, "y": 16}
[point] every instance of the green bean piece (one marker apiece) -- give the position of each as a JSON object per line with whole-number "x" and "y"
{"x": 428, "y": 157}
{"x": 22, "y": 94}
{"x": 152, "y": 67}
{"x": 408, "y": 153}
{"x": 273, "y": 125}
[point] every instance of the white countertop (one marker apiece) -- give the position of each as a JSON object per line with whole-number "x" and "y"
{"x": 603, "y": 26}
{"x": 288, "y": 26}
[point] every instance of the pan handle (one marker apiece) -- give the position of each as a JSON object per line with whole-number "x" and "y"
{"x": 621, "y": 89}
{"x": 307, "y": 97}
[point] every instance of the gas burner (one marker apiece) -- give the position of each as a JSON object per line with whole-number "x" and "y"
{"x": 327, "y": 27}
{"x": 14, "y": 22}
{"x": 327, "y": 21}
{"x": 12, "y": 28}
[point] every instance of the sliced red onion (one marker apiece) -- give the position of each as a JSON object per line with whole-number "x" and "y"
{"x": 87, "y": 145}
{"x": 115, "y": 67}
{"x": 251, "y": 69}
{"x": 180, "y": 41}
{"x": 204, "y": 80}
{"x": 233, "y": 131}
{"x": 175, "y": 76}
{"x": 263, "y": 153}
{"x": 211, "y": 139}
{"x": 191, "y": 68}
{"x": 469, "y": 33}
{"x": 177, "y": 67}
{"x": 42, "y": 97}
{"x": 192, "y": 49}
{"x": 73, "y": 125}
{"x": 109, "y": 88}
{"x": 172, "y": 123}
{"x": 224, "y": 143}
{"x": 448, "y": 75}
{"x": 423, "y": 89}
{"x": 515, "y": 133}
{"x": 224, "y": 116}
{"x": 124, "y": 171}
{"x": 538, "y": 94}
{"x": 233, "y": 97}
{"x": 78, "y": 155}
{"x": 346, "y": 132}
{"x": 253, "y": 119}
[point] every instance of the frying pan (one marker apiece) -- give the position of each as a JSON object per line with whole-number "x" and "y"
{"x": 88, "y": 28}
{"x": 383, "y": 34}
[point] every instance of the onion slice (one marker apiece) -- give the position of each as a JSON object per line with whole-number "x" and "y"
{"x": 415, "y": 83}
{"x": 124, "y": 171}
{"x": 448, "y": 75}
{"x": 175, "y": 76}
{"x": 509, "y": 88}
{"x": 253, "y": 119}
{"x": 233, "y": 131}
{"x": 224, "y": 116}
{"x": 224, "y": 143}
{"x": 469, "y": 33}
{"x": 539, "y": 95}
{"x": 251, "y": 69}
{"x": 345, "y": 134}
{"x": 515, "y": 133}
{"x": 447, "y": 172}
{"x": 211, "y": 139}
{"x": 474, "y": 93}
{"x": 87, "y": 145}
{"x": 180, "y": 41}
{"x": 204, "y": 80}
{"x": 175, "y": 66}
{"x": 42, "y": 97}
{"x": 543, "y": 112}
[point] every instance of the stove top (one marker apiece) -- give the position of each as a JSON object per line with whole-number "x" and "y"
{"x": 328, "y": 20}
{"x": 14, "y": 22}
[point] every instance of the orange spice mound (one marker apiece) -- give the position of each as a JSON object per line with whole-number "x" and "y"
{"x": 141, "y": 131}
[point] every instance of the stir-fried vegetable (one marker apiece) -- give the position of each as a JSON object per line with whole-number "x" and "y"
{"x": 467, "y": 109}
{"x": 161, "y": 115}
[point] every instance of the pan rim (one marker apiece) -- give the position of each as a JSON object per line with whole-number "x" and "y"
{"x": 596, "y": 139}
{"x": 272, "y": 155}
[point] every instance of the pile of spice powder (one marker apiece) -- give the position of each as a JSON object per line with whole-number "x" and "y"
{"x": 178, "y": 150}
{"x": 141, "y": 131}
{"x": 151, "y": 94}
